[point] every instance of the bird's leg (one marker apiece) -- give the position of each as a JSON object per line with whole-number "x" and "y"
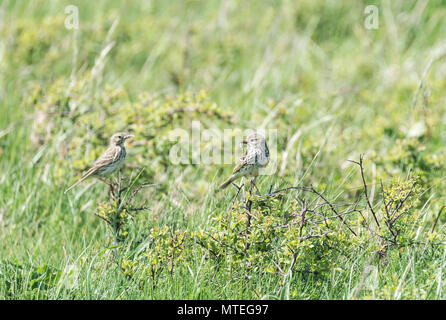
{"x": 119, "y": 177}
{"x": 105, "y": 181}
{"x": 112, "y": 192}
{"x": 110, "y": 185}
{"x": 119, "y": 186}
{"x": 251, "y": 185}
{"x": 118, "y": 183}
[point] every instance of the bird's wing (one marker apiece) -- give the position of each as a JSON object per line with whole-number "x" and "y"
{"x": 90, "y": 172}
{"x": 238, "y": 167}
{"x": 243, "y": 160}
{"x": 107, "y": 157}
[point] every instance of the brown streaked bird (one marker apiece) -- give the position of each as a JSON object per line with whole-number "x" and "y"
{"x": 255, "y": 158}
{"x": 110, "y": 161}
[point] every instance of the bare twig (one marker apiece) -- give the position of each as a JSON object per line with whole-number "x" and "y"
{"x": 360, "y": 164}
{"x": 334, "y": 210}
{"x": 436, "y": 219}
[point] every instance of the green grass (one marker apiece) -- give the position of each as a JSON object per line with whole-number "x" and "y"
{"x": 304, "y": 65}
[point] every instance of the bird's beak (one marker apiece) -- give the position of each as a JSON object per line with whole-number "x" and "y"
{"x": 129, "y": 136}
{"x": 245, "y": 142}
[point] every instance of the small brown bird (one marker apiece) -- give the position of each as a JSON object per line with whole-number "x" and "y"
{"x": 110, "y": 161}
{"x": 255, "y": 158}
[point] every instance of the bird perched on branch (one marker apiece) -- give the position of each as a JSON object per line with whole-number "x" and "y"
{"x": 255, "y": 158}
{"x": 110, "y": 161}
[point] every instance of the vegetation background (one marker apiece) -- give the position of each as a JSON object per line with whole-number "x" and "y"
{"x": 311, "y": 69}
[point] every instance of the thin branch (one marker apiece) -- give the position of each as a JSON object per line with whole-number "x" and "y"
{"x": 365, "y": 187}
{"x": 438, "y": 217}
{"x": 334, "y": 210}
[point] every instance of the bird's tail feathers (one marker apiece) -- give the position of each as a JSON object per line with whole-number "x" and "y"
{"x": 89, "y": 173}
{"x": 227, "y": 182}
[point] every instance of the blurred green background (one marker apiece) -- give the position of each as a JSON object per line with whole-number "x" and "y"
{"x": 310, "y": 69}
